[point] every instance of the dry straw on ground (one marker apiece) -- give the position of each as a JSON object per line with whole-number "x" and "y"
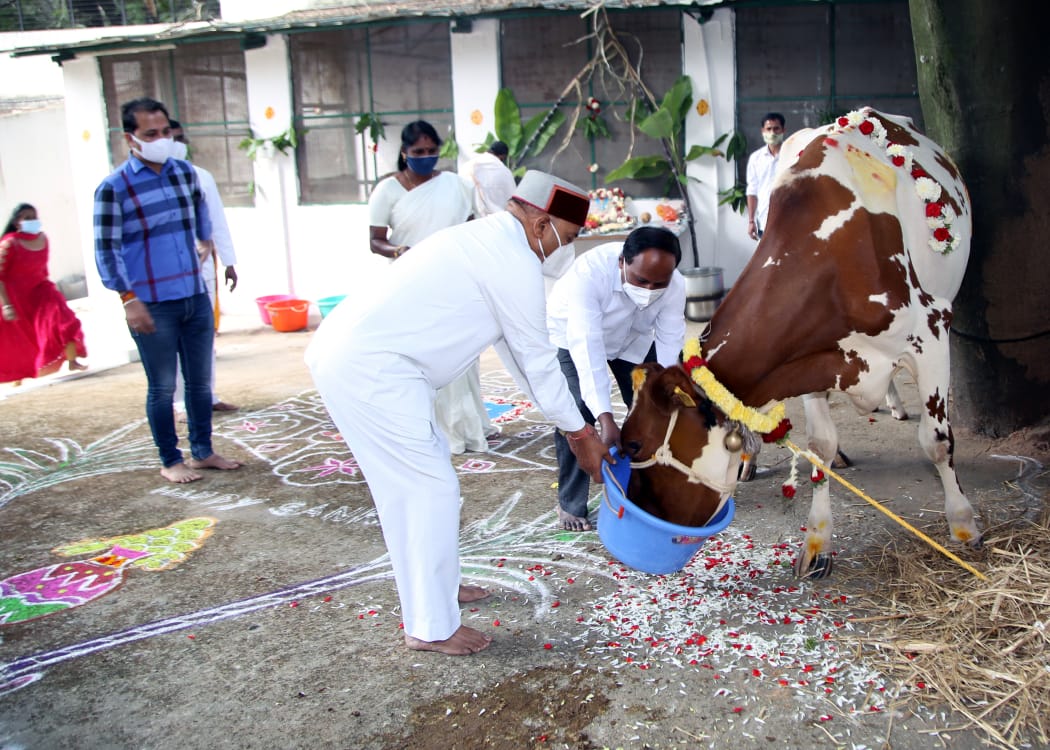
{"x": 981, "y": 646}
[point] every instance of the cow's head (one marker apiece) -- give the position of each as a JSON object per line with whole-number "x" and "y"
{"x": 696, "y": 449}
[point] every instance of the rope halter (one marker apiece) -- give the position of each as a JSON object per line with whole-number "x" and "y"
{"x": 664, "y": 456}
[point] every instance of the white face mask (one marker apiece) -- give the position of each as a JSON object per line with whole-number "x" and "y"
{"x": 773, "y": 139}
{"x": 639, "y": 295}
{"x": 179, "y": 150}
{"x": 30, "y": 226}
{"x": 156, "y": 151}
{"x": 557, "y": 263}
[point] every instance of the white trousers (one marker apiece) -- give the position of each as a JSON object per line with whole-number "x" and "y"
{"x": 461, "y": 413}
{"x": 405, "y": 459}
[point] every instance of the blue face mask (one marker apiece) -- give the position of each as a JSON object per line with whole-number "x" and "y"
{"x": 423, "y": 165}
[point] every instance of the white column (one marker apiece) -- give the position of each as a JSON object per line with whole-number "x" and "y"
{"x": 475, "y": 83}
{"x": 276, "y": 193}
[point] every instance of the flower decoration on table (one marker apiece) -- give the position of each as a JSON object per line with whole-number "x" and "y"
{"x": 608, "y": 212}
{"x": 939, "y": 215}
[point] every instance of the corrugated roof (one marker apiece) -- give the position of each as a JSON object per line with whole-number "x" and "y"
{"x": 342, "y": 14}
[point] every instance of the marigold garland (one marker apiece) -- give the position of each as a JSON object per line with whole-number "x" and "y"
{"x": 730, "y": 405}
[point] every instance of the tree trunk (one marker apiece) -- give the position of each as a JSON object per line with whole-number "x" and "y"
{"x": 984, "y": 84}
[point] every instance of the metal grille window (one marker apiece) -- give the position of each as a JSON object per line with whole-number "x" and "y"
{"x": 30, "y": 15}
{"x": 540, "y": 54}
{"x": 396, "y": 73}
{"x": 814, "y": 62}
{"x": 204, "y": 87}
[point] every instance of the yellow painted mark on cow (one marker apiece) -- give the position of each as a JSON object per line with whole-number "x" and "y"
{"x": 637, "y": 379}
{"x": 875, "y": 182}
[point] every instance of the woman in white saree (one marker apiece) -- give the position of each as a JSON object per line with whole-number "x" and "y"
{"x": 405, "y": 208}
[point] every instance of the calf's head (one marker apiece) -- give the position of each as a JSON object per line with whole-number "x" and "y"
{"x": 696, "y": 449}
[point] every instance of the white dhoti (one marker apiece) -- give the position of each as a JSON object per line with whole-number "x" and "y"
{"x": 405, "y": 460}
{"x": 461, "y": 414}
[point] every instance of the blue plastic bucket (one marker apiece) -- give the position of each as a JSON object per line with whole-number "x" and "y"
{"x": 642, "y": 541}
{"x": 327, "y": 304}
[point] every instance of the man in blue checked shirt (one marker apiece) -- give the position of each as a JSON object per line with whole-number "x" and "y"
{"x": 149, "y": 216}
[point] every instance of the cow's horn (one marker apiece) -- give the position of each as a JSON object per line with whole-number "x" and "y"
{"x": 684, "y": 397}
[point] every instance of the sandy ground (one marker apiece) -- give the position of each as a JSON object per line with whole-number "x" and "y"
{"x": 266, "y": 616}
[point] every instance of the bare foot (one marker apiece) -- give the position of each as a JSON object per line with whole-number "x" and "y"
{"x": 215, "y": 461}
{"x": 472, "y": 594}
{"x": 179, "y": 473}
{"x": 75, "y": 365}
{"x": 569, "y": 522}
{"x": 463, "y": 642}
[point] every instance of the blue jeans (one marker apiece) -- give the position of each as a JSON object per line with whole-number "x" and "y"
{"x": 574, "y": 485}
{"x": 185, "y": 333}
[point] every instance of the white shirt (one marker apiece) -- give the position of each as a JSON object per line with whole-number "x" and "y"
{"x": 589, "y": 314}
{"x": 454, "y": 294}
{"x": 220, "y": 230}
{"x": 493, "y": 183}
{"x": 761, "y": 168}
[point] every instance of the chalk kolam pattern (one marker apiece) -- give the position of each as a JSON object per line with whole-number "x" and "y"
{"x": 304, "y": 448}
{"x": 54, "y": 588}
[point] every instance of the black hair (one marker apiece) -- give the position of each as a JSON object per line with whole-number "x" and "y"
{"x": 175, "y": 124}
{"x": 646, "y": 238}
{"x": 128, "y": 110}
{"x": 772, "y": 116}
{"x": 12, "y": 223}
{"x": 412, "y": 133}
{"x": 499, "y": 148}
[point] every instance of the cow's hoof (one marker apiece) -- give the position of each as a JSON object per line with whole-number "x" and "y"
{"x": 747, "y": 471}
{"x": 818, "y": 567}
{"x": 899, "y": 414}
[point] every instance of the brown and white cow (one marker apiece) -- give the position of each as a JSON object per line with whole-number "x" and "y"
{"x": 865, "y": 248}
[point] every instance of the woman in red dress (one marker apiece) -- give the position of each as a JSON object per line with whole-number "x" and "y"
{"x": 38, "y": 331}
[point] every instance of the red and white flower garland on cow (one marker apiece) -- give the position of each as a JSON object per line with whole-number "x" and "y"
{"x": 939, "y": 215}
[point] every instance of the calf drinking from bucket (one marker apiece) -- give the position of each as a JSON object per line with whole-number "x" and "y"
{"x": 865, "y": 248}
{"x": 694, "y": 451}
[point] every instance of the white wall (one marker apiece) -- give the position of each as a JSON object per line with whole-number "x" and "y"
{"x": 709, "y": 59}
{"x": 34, "y": 175}
{"x": 475, "y": 83}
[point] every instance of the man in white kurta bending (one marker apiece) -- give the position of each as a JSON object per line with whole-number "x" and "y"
{"x": 620, "y": 304}
{"x": 377, "y": 369}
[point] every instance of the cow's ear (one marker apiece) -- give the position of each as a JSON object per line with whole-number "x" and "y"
{"x": 683, "y": 398}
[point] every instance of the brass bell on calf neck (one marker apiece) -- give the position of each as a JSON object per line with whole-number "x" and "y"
{"x": 734, "y": 440}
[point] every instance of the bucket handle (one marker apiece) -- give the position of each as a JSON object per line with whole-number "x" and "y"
{"x": 605, "y": 494}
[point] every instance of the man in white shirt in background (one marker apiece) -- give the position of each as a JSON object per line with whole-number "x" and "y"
{"x": 761, "y": 169}
{"x": 618, "y": 305}
{"x": 377, "y": 369}
{"x": 224, "y": 251}
{"x": 492, "y": 179}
